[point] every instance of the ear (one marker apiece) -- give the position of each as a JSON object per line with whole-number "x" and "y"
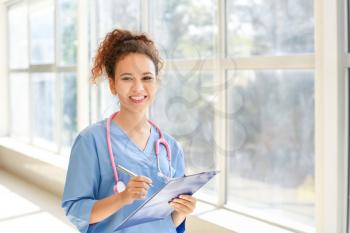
{"x": 112, "y": 86}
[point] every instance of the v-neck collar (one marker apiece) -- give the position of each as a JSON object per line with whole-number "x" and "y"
{"x": 148, "y": 148}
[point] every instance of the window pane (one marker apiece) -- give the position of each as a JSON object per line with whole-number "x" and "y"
{"x": 182, "y": 109}
{"x": 269, "y": 27}
{"x": 69, "y": 104}
{"x": 271, "y": 143}
{"x": 18, "y": 36}
{"x": 19, "y": 105}
{"x": 42, "y": 32}
{"x": 113, "y": 14}
{"x": 184, "y": 29}
{"x": 43, "y": 109}
{"x": 67, "y": 30}
{"x": 107, "y": 102}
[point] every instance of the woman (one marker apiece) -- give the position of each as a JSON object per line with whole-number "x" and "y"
{"x": 92, "y": 200}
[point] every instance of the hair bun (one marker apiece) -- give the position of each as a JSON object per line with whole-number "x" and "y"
{"x": 116, "y": 45}
{"x": 135, "y": 38}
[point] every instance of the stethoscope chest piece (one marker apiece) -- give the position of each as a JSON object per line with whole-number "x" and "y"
{"x": 121, "y": 186}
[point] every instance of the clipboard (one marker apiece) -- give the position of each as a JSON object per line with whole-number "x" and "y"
{"x": 157, "y": 206}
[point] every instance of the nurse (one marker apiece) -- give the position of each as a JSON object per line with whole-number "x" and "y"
{"x": 132, "y": 65}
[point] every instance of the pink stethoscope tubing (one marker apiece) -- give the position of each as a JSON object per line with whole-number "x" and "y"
{"x": 161, "y": 140}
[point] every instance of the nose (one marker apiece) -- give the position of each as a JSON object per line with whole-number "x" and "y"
{"x": 138, "y": 85}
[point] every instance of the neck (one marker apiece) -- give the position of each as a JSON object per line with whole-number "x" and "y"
{"x": 132, "y": 122}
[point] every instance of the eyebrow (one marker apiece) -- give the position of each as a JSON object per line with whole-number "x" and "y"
{"x": 130, "y": 74}
{"x": 149, "y": 73}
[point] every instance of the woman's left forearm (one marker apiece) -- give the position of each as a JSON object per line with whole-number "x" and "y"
{"x": 183, "y": 206}
{"x": 177, "y": 218}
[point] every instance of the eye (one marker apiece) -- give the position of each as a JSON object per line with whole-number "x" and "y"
{"x": 126, "y": 78}
{"x": 147, "y": 78}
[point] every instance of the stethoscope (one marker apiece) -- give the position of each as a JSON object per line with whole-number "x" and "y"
{"x": 119, "y": 186}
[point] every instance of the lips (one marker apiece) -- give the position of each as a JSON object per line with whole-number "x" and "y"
{"x": 138, "y": 99}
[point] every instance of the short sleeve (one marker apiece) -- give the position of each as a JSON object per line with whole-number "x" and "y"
{"x": 179, "y": 161}
{"x": 179, "y": 229}
{"x": 82, "y": 182}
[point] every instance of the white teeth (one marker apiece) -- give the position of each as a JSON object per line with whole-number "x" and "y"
{"x": 137, "y": 97}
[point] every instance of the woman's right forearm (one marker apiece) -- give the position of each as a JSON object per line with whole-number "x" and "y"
{"x": 105, "y": 207}
{"x": 136, "y": 189}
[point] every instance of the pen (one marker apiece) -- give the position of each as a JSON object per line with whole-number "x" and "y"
{"x": 128, "y": 172}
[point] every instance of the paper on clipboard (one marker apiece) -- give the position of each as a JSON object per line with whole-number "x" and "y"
{"x": 157, "y": 206}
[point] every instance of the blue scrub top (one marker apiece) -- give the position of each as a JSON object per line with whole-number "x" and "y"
{"x": 90, "y": 177}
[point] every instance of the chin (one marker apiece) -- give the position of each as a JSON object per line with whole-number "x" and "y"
{"x": 137, "y": 109}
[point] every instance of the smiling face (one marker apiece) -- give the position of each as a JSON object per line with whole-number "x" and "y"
{"x": 135, "y": 82}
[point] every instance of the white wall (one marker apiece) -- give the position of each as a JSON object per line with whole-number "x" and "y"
{"x": 3, "y": 72}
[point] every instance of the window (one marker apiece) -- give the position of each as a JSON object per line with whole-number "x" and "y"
{"x": 184, "y": 29}
{"x": 19, "y": 93}
{"x": 270, "y": 112}
{"x": 42, "y": 50}
{"x": 271, "y": 150}
{"x": 238, "y": 93}
{"x": 42, "y": 99}
{"x": 269, "y": 27}
{"x": 104, "y": 17}
{"x": 41, "y": 18}
{"x": 18, "y": 22}
{"x": 183, "y": 107}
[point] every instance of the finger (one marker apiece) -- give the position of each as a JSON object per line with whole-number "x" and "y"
{"x": 139, "y": 184}
{"x": 181, "y": 208}
{"x": 186, "y": 203}
{"x": 142, "y": 178}
{"x": 138, "y": 190}
{"x": 138, "y": 193}
{"x": 188, "y": 198}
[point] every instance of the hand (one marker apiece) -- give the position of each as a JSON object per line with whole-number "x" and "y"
{"x": 136, "y": 189}
{"x": 183, "y": 206}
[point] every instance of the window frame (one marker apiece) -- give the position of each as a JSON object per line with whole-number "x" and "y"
{"x": 219, "y": 65}
{"x": 55, "y": 68}
{"x": 331, "y": 115}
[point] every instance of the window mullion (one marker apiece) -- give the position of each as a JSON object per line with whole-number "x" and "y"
{"x": 58, "y": 82}
{"x": 5, "y": 97}
{"x": 30, "y": 109}
{"x": 330, "y": 174}
{"x": 82, "y": 67}
{"x": 94, "y": 31}
{"x": 219, "y": 122}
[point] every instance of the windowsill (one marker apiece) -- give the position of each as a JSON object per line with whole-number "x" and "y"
{"x": 38, "y": 166}
{"x": 230, "y": 221}
{"x": 34, "y": 164}
{"x": 34, "y": 152}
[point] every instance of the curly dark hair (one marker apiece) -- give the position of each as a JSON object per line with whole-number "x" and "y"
{"x": 116, "y": 45}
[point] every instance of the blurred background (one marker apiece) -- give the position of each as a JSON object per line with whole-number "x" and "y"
{"x": 254, "y": 88}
